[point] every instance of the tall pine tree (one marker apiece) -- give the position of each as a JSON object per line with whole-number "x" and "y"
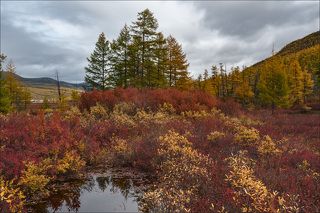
{"x": 144, "y": 32}
{"x": 177, "y": 72}
{"x": 161, "y": 54}
{"x": 98, "y": 72}
{"x": 120, "y": 58}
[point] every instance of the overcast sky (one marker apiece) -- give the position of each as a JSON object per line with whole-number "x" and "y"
{"x": 41, "y": 37}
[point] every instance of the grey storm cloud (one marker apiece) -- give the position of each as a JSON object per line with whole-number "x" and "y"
{"x": 246, "y": 18}
{"x": 42, "y": 37}
{"x": 37, "y": 59}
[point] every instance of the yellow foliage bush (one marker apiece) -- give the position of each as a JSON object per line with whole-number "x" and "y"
{"x": 165, "y": 200}
{"x": 249, "y": 121}
{"x": 183, "y": 174}
{"x": 160, "y": 117}
{"x": 98, "y": 112}
{"x": 73, "y": 112}
{"x": 70, "y": 163}
{"x": 247, "y": 186}
{"x": 214, "y": 136}
{"x": 11, "y": 196}
{"x": 195, "y": 114}
{"x": 124, "y": 107}
{"x": 167, "y": 108}
{"x": 289, "y": 203}
{"x": 246, "y": 136}
{"x": 306, "y": 167}
{"x": 268, "y": 147}
{"x": 149, "y": 117}
{"x": 121, "y": 151}
{"x": 34, "y": 177}
{"x": 142, "y": 115}
{"x": 121, "y": 118}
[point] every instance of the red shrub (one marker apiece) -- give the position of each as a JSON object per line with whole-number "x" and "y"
{"x": 149, "y": 99}
{"x": 230, "y": 107}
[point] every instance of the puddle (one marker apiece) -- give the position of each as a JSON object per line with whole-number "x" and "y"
{"x": 105, "y": 192}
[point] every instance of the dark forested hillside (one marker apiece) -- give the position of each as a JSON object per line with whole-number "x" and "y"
{"x": 308, "y": 41}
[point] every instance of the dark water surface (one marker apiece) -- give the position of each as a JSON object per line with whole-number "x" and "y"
{"x": 105, "y": 192}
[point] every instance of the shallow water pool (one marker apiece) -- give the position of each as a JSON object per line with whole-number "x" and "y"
{"x": 107, "y": 192}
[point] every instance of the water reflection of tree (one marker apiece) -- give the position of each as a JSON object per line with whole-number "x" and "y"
{"x": 103, "y": 182}
{"x": 90, "y": 183}
{"x": 69, "y": 193}
{"x": 122, "y": 184}
{"x": 71, "y": 197}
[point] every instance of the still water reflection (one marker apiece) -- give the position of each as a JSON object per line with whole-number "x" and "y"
{"x": 100, "y": 193}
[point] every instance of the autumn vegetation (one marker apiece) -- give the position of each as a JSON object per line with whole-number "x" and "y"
{"x": 209, "y": 144}
{"x": 203, "y": 158}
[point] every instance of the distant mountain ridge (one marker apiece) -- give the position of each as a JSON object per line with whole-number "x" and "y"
{"x": 45, "y": 81}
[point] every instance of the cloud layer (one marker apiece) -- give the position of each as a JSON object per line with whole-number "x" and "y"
{"x": 41, "y": 37}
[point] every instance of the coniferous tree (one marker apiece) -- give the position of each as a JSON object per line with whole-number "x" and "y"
{"x": 98, "y": 72}
{"x": 139, "y": 57}
{"x": 120, "y": 58}
{"x": 295, "y": 82}
{"x": 199, "y": 82}
{"x": 177, "y": 73}
{"x": 5, "y": 101}
{"x": 307, "y": 85}
{"x": 144, "y": 32}
{"x": 222, "y": 89}
{"x": 215, "y": 80}
{"x": 207, "y": 85}
{"x": 161, "y": 54}
{"x": 19, "y": 95}
{"x": 273, "y": 88}
{"x": 12, "y": 84}
{"x": 236, "y": 79}
{"x": 243, "y": 92}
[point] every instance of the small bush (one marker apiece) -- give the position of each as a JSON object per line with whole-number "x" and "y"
{"x": 35, "y": 177}
{"x": 184, "y": 176}
{"x": 12, "y": 198}
{"x": 267, "y": 146}
{"x": 214, "y": 136}
{"x": 247, "y": 136}
{"x": 121, "y": 151}
{"x": 252, "y": 194}
{"x": 98, "y": 111}
{"x": 71, "y": 163}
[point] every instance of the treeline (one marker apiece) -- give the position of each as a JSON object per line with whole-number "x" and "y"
{"x": 280, "y": 81}
{"x": 140, "y": 57}
{"x": 13, "y": 94}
